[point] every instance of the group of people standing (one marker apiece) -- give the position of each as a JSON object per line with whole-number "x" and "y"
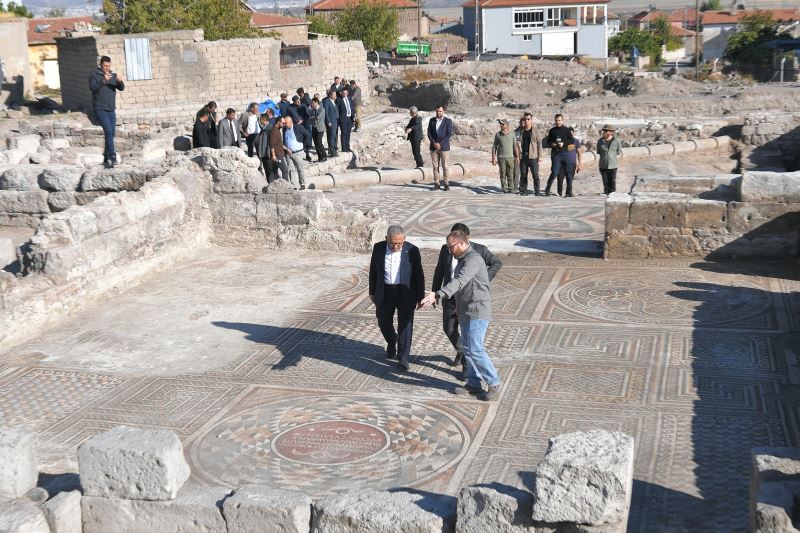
{"x": 281, "y": 137}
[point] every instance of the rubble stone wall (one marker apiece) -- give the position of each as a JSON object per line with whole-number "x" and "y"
{"x": 188, "y": 72}
{"x": 755, "y": 215}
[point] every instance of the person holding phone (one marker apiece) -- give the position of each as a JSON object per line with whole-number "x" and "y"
{"x": 104, "y": 85}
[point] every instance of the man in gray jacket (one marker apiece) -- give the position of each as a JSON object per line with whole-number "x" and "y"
{"x": 318, "y": 129}
{"x": 470, "y": 288}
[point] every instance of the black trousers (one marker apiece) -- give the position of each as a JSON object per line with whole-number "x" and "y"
{"x": 318, "y": 146}
{"x": 332, "y": 138}
{"x": 609, "y": 176}
{"x": 346, "y": 124}
{"x": 269, "y": 169}
{"x": 560, "y": 161}
{"x": 397, "y": 298}
{"x": 525, "y": 165}
{"x": 250, "y": 140}
{"x": 417, "y": 154}
{"x": 450, "y": 324}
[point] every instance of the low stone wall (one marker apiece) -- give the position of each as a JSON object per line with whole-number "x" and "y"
{"x": 755, "y": 215}
{"x": 134, "y": 481}
{"x": 775, "y": 490}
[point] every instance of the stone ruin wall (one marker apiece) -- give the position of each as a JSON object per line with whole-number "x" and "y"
{"x": 775, "y": 130}
{"x": 134, "y": 480}
{"x": 753, "y": 215}
{"x": 232, "y": 72}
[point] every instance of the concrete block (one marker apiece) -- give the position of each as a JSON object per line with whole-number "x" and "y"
{"x": 60, "y": 177}
{"x": 133, "y": 463}
{"x": 383, "y": 512}
{"x": 658, "y": 209}
{"x": 482, "y": 509}
{"x": 194, "y": 510}
{"x": 706, "y": 214}
{"x": 617, "y": 211}
{"x": 27, "y": 144}
{"x": 63, "y": 512}
{"x": 17, "y": 462}
{"x": 259, "y": 509}
{"x": 22, "y": 516}
{"x": 20, "y": 178}
{"x": 771, "y": 187}
{"x": 585, "y": 478}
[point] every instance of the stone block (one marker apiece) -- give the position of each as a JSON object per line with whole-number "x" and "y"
{"x": 773, "y": 217}
{"x": 133, "y": 463}
{"x": 706, "y": 214}
{"x": 674, "y": 246}
{"x": 585, "y": 478}
{"x": 27, "y": 144}
{"x": 90, "y": 160}
{"x": 60, "y": 177}
{"x": 771, "y": 187}
{"x": 194, "y": 510}
{"x": 16, "y": 157}
{"x": 8, "y": 252}
{"x": 383, "y": 512}
{"x": 28, "y": 202}
{"x": 40, "y": 158}
{"x": 61, "y": 201}
{"x": 17, "y": 462}
{"x": 233, "y": 209}
{"x": 120, "y": 178}
{"x": 775, "y": 507}
{"x": 63, "y": 512}
{"x": 658, "y": 210}
{"x": 617, "y": 210}
{"x": 22, "y": 516}
{"x": 619, "y": 245}
{"x": 84, "y": 198}
{"x": 482, "y": 509}
{"x": 55, "y": 143}
{"x": 108, "y": 213}
{"x": 259, "y": 509}
{"x": 691, "y": 184}
{"x": 20, "y": 178}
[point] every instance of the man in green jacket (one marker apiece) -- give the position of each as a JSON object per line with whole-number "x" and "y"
{"x": 505, "y": 154}
{"x": 609, "y": 151}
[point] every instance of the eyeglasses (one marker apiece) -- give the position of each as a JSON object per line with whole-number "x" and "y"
{"x": 395, "y": 244}
{"x": 451, "y": 246}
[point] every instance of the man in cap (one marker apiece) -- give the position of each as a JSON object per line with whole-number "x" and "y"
{"x": 609, "y": 150}
{"x": 505, "y": 154}
{"x": 283, "y": 104}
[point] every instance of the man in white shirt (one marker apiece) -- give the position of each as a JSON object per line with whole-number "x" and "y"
{"x": 228, "y": 130}
{"x": 250, "y": 126}
{"x": 294, "y": 153}
{"x": 396, "y": 284}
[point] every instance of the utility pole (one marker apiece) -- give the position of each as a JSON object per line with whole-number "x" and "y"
{"x": 419, "y": 24}
{"x": 696, "y": 40}
{"x": 477, "y": 46}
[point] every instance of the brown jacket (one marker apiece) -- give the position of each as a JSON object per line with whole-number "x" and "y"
{"x": 276, "y": 141}
{"x": 535, "y": 148}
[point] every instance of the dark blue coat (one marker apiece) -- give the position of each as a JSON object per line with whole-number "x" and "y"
{"x": 444, "y": 138}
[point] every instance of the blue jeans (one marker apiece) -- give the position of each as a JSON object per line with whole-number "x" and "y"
{"x": 108, "y": 121}
{"x": 479, "y": 366}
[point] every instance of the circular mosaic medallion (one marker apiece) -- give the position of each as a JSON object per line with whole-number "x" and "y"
{"x": 329, "y": 443}
{"x": 668, "y": 297}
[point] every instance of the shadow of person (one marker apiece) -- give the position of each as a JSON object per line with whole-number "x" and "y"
{"x": 294, "y": 344}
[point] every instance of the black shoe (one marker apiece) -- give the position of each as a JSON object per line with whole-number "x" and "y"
{"x": 490, "y": 394}
{"x": 322, "y": 160}
{"x": 467, "y": 389}
{"x": 446, "y": 187}
{"x": 569, "y": 195}
{"x": 108, "y": 164}
{"x": 537, "y": 193}
{"x": 404, "y": 364}
{"x": 463, "y": 375}
{"x": 391, "y": 351}
{"x": 436, "y": 187}
{"x": 302, "y": 187}
{"x": 456, "y": 360}
{"x": 548, "y": 193}
{"x": 308, "y": 158}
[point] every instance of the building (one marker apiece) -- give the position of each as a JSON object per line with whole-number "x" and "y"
{"x": 409, "y": 20}
{"x": 294, "y": 31}
{"x": 719, "y": 25}
{"x": 538, "y": 27}
{"x": 16, "y": 73}
{"x": 42, "y": 50}
{"x": 643, "y": 19}
{"x": 613, "y": 23}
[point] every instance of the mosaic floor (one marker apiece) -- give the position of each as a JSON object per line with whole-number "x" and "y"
{"x": 697, "y": 361}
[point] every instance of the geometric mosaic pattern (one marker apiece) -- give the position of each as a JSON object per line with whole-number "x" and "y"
{"x": 697, "y": 361}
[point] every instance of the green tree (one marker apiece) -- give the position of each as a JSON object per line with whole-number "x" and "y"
{"x": 17, "y": 9}
{"x": 711, "y": 5}
{"x": 320, "y": 24}
{"x": 373, "y": 22}
{"x": 218, "y": 18}
{"x": 746, "y": 46}
{"x": 662, "y": 29}
{"x": 645, "y": 41}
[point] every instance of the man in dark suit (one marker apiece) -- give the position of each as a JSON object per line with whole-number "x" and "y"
{"x": 331, "y": 121}
{"x": 414, "y": 135}
{"x": 442, "y": 275}
{"x": 345, "y": 106}
{"x": 440, "y": 129}
{"x": 396, "y": 283}
{"x": 336, "y": 85}
{"x": 200, "y": 132}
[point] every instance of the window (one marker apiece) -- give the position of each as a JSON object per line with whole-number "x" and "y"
{"x": 137, "y": 59}
{"x": 528, "y": 37}
{"x": 528, "y": 18}
{"x": 295, "y": 56}
{"x": 554, "y": 16}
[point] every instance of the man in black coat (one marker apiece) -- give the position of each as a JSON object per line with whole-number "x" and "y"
{"x": 414, "y": 135}
{"x": 346, "y": 115}
{"x": 331, "y": 121}
{"x": 396, "y": 283}
{"x": 200, "y": 133}
{"x": 442, "y": 275}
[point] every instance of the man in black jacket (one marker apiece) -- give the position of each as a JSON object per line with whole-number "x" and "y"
{"x": 442, "y": 275}
{"x": 414, "y": 135}
{"x": 396, "y": 283}
{"x": 200, "y": 133}
{"x": 346, "y": 114}
{"x": 104, "y": 85}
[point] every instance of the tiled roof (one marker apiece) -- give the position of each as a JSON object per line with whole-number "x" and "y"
{"x": 528, "y": 3}
{"x": 726, "y": 17}
{"x": 679, "y": 15}
{"x": 50, "y": 28}
{"x": 338, "y": 5}
{"x": 269, "y": 20}
{"x": 647, "y": 16}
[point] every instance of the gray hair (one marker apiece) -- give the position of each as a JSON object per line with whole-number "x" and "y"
{"x": 395, "y": 230}
{"x": 413, "y": 109}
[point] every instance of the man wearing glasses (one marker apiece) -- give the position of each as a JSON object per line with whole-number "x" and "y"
{"x": 530, "y": 146}
{"x": 396, "y": 284}
{"x": 470, "y": 288}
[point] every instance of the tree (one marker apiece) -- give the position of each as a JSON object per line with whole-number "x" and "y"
{"x": 746, "y": 46}
{"x": 218, "y": 18}
{"x": 373, "y": 22}
{"x": 320, "y": 24}
{"x": 645, "y": 41}
{"x": 16, "y": 9}
{"x": 662, "y": 29}
{"x": 711, "y": 5}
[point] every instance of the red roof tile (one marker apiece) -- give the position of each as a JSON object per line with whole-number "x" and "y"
{"x": 268, "y": 20}
{"x": 526, "y": 3}
{"x": 646, "y": 16}
{"x": 679, "y": 15}
{"x": 726, "y": 17}
{"x": 52, "y": 28}
{"x": 338, "y": 5}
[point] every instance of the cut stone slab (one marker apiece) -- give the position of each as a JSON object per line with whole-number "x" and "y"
{"x": 60, "y": 177}
{"x": 585, "y": 478}
{"x": 8, "y": 252}
{"x": 383, "y": 512}
{"x": 259, "y": 509}
{"x": 24, "y": 202}
{"x": 771, "y": 187}
{"x": 27, "y": 144}
{"x": 133, "y": 463}
{"x": 20, "y": 178}
{"x": 22, "y": 516}
{"x": 774, "y": 507}
{"x": 119, "y": 178}
{"x": 195, "y": 510}
{"x": 482, "y": 509}
{"x": 775, "y": 478}
{"x": 17, "y": 462}
{"x": 63, "y": 512}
